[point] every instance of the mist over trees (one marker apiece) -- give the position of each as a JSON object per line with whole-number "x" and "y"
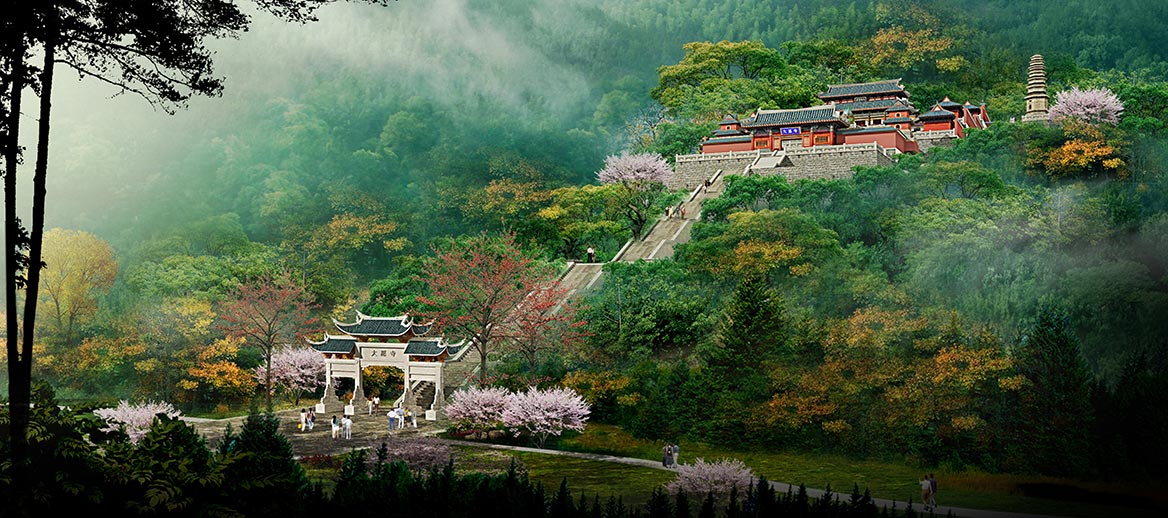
{"x": 904, "y": 306}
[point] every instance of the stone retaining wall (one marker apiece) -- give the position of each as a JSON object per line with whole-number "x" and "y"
{"x": 691, "y": 170}
{"x": 930, "y": 139}
{"x": 811, "y": 164}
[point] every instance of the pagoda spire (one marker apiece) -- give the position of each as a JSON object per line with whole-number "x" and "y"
{"x": 1037, "y": 102}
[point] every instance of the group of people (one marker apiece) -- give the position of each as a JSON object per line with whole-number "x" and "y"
{"x": 399, "y": 417}
{"x": 307, "y": 419}
{"x": 669, "y": 455}
{"x": 929, "y": 491}
{"x": 343, "y": 427}
{"x": 673, "y": 212}
{"x": 374, "y": 402}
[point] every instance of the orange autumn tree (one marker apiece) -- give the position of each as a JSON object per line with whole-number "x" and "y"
{"x": 892, "y": 378}
{"x": 216, "y": 376}
{"x": 1088, "y": 151}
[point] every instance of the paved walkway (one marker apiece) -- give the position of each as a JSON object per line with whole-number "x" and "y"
{"x": 780, "y": 487}
{"x": 369, "y": 430}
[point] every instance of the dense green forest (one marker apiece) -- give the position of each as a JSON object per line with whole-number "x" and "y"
{"x": 930, "y": 308}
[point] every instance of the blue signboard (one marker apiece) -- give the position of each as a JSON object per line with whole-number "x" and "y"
{"x": 788, "y": 131}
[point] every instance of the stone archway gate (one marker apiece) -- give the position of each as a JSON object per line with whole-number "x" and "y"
{"x": 396, "y": 342}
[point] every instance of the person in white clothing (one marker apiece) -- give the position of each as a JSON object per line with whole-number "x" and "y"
{"x": 347, "y": 427}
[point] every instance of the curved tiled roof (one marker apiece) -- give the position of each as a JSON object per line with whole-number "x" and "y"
{"x": 897, "y": 119}
{"x": 729, "y": 118}
{"x": 381, "y": 326}
{"x": 825, "y": 113}
{"x": 425, "y": 347}
{"x": 854, "y": 89}
{"x": 335, "y": 344}
{"x": 860, "y": 106}
{"x": 723, "y": 133}
{"x": 727, "y": 140}
{"x": 937, "y": 114}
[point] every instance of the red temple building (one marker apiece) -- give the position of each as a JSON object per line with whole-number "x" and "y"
{"x": 861, "y": 113}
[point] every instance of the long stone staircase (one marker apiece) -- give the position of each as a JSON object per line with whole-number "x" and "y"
{"x": 658, "y": 242}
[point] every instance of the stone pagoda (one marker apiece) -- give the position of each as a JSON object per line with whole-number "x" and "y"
{"x": 1037, "y": 101}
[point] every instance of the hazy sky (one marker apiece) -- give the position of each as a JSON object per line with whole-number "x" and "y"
{"x": 104, "y": 145}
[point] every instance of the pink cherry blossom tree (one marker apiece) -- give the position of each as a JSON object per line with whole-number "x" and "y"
{"x": 477, "y": 408}
{"x": 1097, "y": 105}
{"x": 134, "y": 419}
{"x": 541, "y": 413}
{"x": 700, "y": 478}
{"x": 295, "y": 371}
{"x": 642, "y": 177}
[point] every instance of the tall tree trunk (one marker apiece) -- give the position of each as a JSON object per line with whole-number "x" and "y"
{"x": 19, "y": 384}
{"x": 36, "y": 233}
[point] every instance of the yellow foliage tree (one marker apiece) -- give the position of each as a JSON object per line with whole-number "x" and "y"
{"x": 215, "y": 374}
{"x": 79, "y": 268}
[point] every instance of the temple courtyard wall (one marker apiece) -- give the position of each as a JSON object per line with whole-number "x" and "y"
{"x": 819, "y": 163}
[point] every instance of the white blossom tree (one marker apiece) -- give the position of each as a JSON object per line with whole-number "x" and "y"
{"x": 719, "y": 477}
{"x": 642, "y": 176}
{"x": 134, "y": 419}
{"x": 477, "y": 408}
{"x": 295, "y": 371}
{"x": 541, "y": 413}
{"x": 1097, "y": 105}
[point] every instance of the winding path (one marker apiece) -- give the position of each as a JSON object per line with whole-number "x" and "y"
{"x": 371, "y": 429}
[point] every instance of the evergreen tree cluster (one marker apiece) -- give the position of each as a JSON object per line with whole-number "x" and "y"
{"x": 171, "y": 472}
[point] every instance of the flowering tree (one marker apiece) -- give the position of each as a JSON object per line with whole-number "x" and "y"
{"x": 477, "y": 408}
{"x": 1097, "y": 105}
{"x": 476, "y": 284}
{"x": 135, "y": 420}
{"x": 266, "y": 312}
{"x": 718, "y": 477}
{"x": 541, "y": 413}
{"x": 295, "y": 371}
{"x": 543, "y": 320}
{"x": 642, "y": 177}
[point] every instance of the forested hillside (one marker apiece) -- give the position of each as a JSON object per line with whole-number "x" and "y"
{"x": 927, "y": 309}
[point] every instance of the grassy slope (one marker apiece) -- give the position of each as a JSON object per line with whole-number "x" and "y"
{"x": 885, "y": 479}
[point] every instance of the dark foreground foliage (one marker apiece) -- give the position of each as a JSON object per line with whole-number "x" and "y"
{"x": 171, "y": 472}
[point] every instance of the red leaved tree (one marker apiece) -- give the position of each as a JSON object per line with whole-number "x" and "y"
{"x": 544, "y": 320}
{"x": 476, "y": 284}
{"x": 267, "y": 312}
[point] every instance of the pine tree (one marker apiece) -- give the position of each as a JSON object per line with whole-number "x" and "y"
{"x": 753, "y": 329}
{"x": 1054, "y": 406}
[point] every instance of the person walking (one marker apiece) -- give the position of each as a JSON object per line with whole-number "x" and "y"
{"x": 401, "y": 417}
{"x": 392, "y": 419}
{"x": 336, "y": 426}
{"x": 303, "y": 419}
{"x": 926, "y": 491}
{"x": 311, "y": 419}
{"x": 376, "y": 403}
{"x": 676, "y": 459}
{"x": 591, "y": 255}
{"x": 369, "y": 401}
{"x": 932, "y": 491}
{"x": 347, "y": 427}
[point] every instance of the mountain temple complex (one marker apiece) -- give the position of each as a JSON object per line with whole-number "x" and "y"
{"x": 859, "y": 124}
{"x": 397, "y": 342}
{"x": 879, "y": 112}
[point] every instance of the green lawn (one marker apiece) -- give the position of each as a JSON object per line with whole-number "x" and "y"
{"x": 969, "y": 489}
